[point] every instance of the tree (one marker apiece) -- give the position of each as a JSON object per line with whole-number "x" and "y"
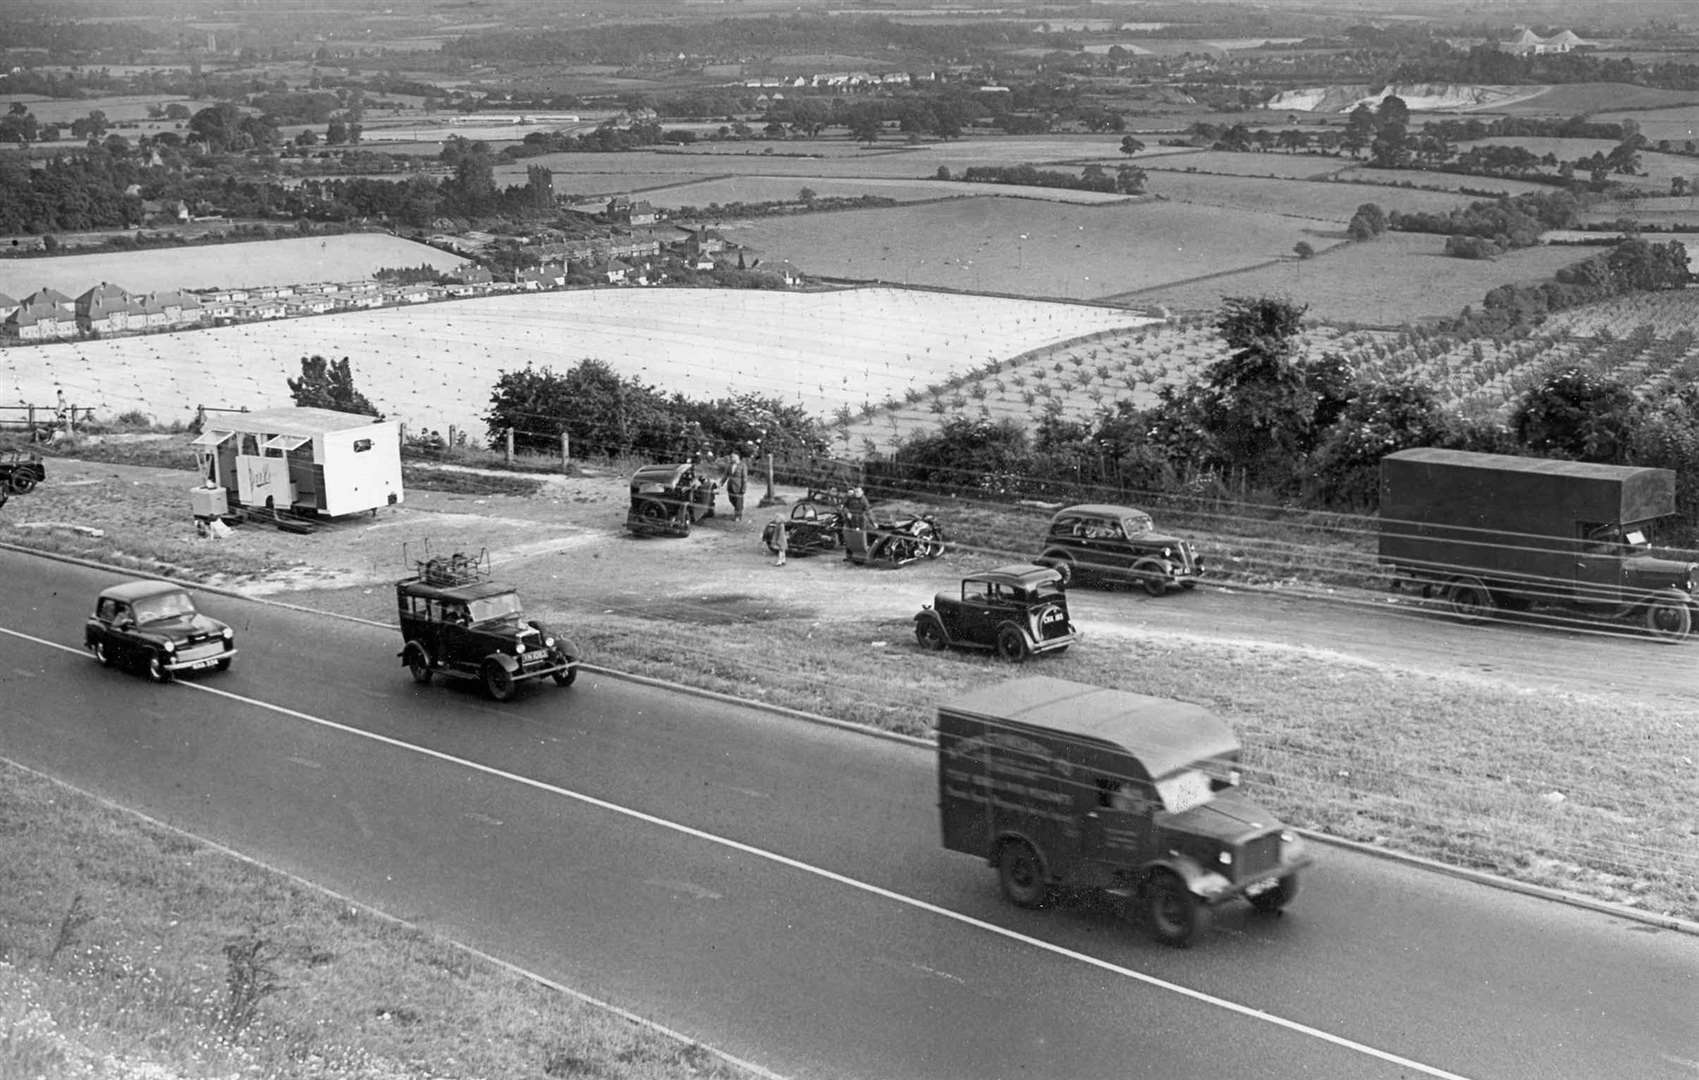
{"x": 1574, "y": 412}
{"x": 604, "y": 413}
{"x": 1377, "y": 420}
{"x": 1393, "y": 110}
{"x": 328, "y": 384}
{"x": 1303, "y": 250}
{"x": 1367, "y": 223}
{"x": 1130, "y": 145}
{"x": 1359, "y": 130}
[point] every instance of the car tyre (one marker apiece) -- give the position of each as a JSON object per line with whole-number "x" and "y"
{"x": 1176, "y": 916}
{"x": 156, "y": 669}
{"x": 1152, "y": 576}
{"x": 1470, "y": 599}
{"x": 498, "y": 681}
{"x": 1062, "y": 564}
{"x": 1668, "y": 617}
{"x": 1021, "y": 875}
{"x": 567, "y": 677}
{"x": 1011, "y": 644}
{"x": 418, "y": 664}
{"x": 929, "y": 634}
{"x": 1284, "y": 892}
{"x": 22, "y": 483}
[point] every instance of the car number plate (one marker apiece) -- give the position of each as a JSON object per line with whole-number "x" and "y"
{"x": 1257, "y": 888}
{"x": 201, "y": 665}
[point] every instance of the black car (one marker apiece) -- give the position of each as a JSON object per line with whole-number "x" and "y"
{"x": 457, "y": 623}
{"x": 154, "y": 626}
{"x": 666, "y": 500}
{"x": 1015, "y": 610}
{"x": 20, "y": 472}
{"x": 1118, "y": 545}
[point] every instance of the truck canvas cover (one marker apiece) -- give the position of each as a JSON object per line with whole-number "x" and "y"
{"x": 1532, "y": 495}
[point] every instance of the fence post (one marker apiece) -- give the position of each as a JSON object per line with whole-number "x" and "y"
{"x": 451, "y": 433}
{"x": 769, "y": 499}
{"x": 71, "y": 420}
{"x": 401, "y": 430}
{"x": 510, "y": 448}
{"x": 565, "y": 452}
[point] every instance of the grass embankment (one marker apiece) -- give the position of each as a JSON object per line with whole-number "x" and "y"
{"x": 128, "y": 950}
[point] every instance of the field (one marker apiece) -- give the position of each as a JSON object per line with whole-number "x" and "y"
{"x": 240, "y": 265}
{"x": 435, "y": 365}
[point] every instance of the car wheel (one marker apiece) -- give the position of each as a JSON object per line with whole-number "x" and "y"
{"x": 156, "y": 669}
{"x": 1021, "y": 875}
{"x": 419, "y": 664}
{"x": 100, "y": 653}
{"x": 498, "y": 681}
{"x": 1062, "y": 564}
{"x": 1152, "y": 576}
{"x": 1283, "y": 893}
{"x": 567, "y": 677}
{"x": 1188, "y": 585}
{"x": 23, "y": 483}
{"x": 1011, "y": 644}
{"x": 652, "y": 512}
{"x": 929, "y": 634}
{"x": 1176, "y": 916}
{"x": 1470, "y": 599}
{"x": 1668, "y": 616}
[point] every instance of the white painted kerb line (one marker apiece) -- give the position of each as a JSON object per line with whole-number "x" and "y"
{"x": 829, "y": 875}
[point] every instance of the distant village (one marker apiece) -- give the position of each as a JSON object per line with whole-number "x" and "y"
{"x": 637, "y": 259}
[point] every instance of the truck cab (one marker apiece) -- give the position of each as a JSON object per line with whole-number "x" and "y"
{"x": 1056, "y": 783}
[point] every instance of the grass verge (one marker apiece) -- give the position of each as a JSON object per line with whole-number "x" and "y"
{"x": 130, "y": 950}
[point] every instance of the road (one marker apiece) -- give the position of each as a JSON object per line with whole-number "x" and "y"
{"x": 777, "y": 889}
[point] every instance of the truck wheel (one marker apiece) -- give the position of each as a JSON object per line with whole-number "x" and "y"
{"x": 931, "y": 638}
{"x": 1176, "y": 916}
{"x": 498, "y": 682}
{"x": 1011, "y": 644}
{"x": 419, "y": 664}
{"x": 1021, "y": 875}
{"x": 1470, "y": 599}
{"x": 1668, "y": 616}
{"x": 1153, "y": 576}
{"x": 1278, "y": 897}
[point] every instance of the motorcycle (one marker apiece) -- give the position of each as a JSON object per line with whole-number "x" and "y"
{"x": 908, "y": 537}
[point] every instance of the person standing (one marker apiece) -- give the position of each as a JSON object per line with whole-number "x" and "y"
{"x": 736, "y": 480}
{"x": 781, "y": 541}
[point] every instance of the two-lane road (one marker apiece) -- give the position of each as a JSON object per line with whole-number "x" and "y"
{"x": 777, "y": 889}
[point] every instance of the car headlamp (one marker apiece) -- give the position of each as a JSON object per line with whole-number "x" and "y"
{"x": 228, "y": 633}
{"x": 170, "y": 646}
{"x": 549, "y": 642}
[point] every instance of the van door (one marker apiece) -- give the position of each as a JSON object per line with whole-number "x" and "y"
{"x": 1117, "y": 831}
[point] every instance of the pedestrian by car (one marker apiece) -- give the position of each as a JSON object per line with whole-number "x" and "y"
{"x": 778, "y": 540}
{"x": 736, "y": 480}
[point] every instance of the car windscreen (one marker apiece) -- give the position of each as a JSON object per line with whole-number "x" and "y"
{"x": 499, "y": 606}
{"x": 164, "y": 606}
{"x": 1184, "y": 790}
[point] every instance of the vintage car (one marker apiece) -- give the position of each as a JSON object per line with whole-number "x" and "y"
{"x": 666, "y": 500}
{"x": 154, "y": 626}
{"x": 457, "y": 623}
{"x": 1118, "y": 545}
{"x": 1016, "y": 610}
{"x": 1060, "y": 785}
{"x": 812, "y": 526}
{"x": 20, "y": 472}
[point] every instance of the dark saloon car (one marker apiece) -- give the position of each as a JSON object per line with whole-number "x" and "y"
{"x": 154, "y": 626}
{"x": 1118, "y": 545}
{"x": 1015, "y": 610}
{"x": 812, "y": 526}
{"x": 457, "y": 623}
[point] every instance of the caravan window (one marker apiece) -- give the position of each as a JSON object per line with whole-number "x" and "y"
{"x": 362, "y": 445}
{"x": 250, "y": 444}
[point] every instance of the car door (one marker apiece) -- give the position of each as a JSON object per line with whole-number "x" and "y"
{"x": 121, "y": 643}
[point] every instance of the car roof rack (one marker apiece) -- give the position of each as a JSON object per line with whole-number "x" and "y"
{"x": 460, "y": 568}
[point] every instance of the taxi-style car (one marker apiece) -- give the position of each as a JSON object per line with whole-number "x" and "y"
{"x": 1118, "y": 545}
{"x": 457, "y": 623}
{"x": 1017, "y": 611}
{"x": 154, "y": 626}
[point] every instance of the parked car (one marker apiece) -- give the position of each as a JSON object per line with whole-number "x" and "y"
{"x": 1060, "y": 785}
{"x": 666, "y": 500}
{"x": 1016, "y": 610}
{"x": 20, "y": 472}
{"x": 154, "y": 626}
{"x": 458, "y": 623}
{"x": 812, "y": 526}
{"x": 1118, "y": 545}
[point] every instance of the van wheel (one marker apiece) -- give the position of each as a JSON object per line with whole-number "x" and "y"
{"x": 1021, "y": 875}
{"x": 1011, "y": 644}
{"x": 1470, "y": 599}
{"x": 1176, "y": 916}
{"x": 1668, "y": 616}
{"x": 498, "y": 681}
{"x": 1284, "y": 891}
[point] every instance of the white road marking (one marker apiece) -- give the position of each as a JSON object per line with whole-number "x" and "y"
{"x": 691, "y": 831}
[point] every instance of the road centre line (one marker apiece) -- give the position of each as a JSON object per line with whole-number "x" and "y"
{"x": 1152, "y": 981}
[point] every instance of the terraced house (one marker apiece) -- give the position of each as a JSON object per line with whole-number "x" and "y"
{"x": 43, "y": 315}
